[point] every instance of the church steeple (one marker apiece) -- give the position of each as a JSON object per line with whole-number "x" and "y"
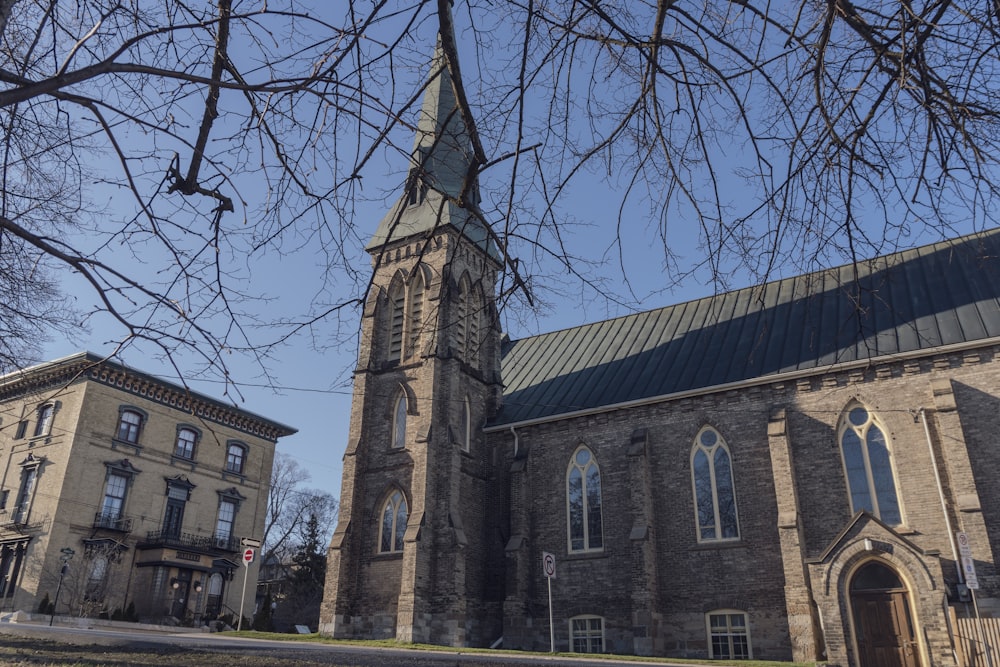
{"x": 440, "y": 165}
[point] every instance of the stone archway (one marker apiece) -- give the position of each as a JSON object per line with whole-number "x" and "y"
{"x": 882, "y": 615}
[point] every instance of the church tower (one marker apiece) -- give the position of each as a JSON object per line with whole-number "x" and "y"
{"x": 412, "y": 556}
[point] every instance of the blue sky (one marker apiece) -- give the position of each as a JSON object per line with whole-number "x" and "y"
{"x": 310, "y": 385}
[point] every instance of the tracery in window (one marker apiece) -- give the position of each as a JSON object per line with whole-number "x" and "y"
{"x": 714, "y": 492}
{"x": 583, "y": 502}
{"x": 393, "y": 523}
{"x": 399, "y": 421}
{"x": 868, "y": 465}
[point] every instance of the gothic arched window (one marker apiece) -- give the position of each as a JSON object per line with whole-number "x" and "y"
{"x": 416, "y": 310}
{"x": 393, "y": 523}
{"x": 399, "y": 421}
{"x": 473, "y": 312}
{"x": 868, "y": 465}
{"x": 583, "y": 502}
{"x": 714, "y": 493}
{"x": 396, "y": 302}
{"x": 465, "y": 426}
{"x": 461, "y": 317}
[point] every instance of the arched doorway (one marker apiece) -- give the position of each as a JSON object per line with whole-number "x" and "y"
{"x": 883, "y": 622}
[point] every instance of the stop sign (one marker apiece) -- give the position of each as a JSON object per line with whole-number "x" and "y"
{"x": 248, "y": 557}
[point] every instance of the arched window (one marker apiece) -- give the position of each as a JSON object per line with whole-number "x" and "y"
{"x": 868, "y": 466}
{"x": 236, "y": 454}
{"x": 462, "y": 317}
{"x": 399, "y": 422}
{"x": 44, "y": 424}
{"x": 583, "y": 502}
{"x": 214, "y": 598}
{"x": 465, "y": 426}
{"x": 468, "y": 311}
{"x": 393, "y": 525}
{"x": 186, "y": 439}
{"x": 472, "y": 315}
{"x": 714, "y": 494}
{"x": 416, "y": 311}
{"x": 396, "y": 301}
{"x": 129, "y": 426}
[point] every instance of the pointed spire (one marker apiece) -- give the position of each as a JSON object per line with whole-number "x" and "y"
{"x": 439, "y": 165}
{"x": 442, "y": 144}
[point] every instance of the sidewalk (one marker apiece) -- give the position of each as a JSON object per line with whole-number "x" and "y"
{"x": 23, "y": 617}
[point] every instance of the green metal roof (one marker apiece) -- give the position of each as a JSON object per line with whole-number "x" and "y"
{"x": 914, "y": 301}
{"x": 443, "y": 155}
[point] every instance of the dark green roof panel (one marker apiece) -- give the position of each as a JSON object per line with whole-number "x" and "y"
{"x": 912, "y": 301}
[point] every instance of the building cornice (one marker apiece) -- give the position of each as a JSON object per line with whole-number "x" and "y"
{"x": 86, "y": 366}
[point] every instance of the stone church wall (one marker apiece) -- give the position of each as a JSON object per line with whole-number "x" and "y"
{"x": 959, "y": 394}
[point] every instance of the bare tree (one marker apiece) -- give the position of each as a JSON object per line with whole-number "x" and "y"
{"x": 788, "y": 133}
{"x": 290, "y": 504}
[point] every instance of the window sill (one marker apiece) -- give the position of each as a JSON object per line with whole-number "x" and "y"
{"x": 230, "y": 475}
{"x": 134, "y": 446}
{"x": 183, "y": 462}
{"x": 388, "y": 555}
{"x": 719, "y": 544}
{"x": 587, "y": 555}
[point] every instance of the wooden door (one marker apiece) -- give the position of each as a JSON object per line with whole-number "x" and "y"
{"x": 883, "y": 626}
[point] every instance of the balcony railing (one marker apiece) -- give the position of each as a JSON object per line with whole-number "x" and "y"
{"x": 112, "y": 522}
{"x": 189, "y": 541}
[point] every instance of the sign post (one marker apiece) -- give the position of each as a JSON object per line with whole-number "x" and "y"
{"x": 67, "y": 555}
{"x": 968, "y": 570}
{"x": 248, "y": 554}
{"x": 549, "y": 567}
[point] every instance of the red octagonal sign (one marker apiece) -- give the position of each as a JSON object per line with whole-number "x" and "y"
{"x": 248, "y": 557}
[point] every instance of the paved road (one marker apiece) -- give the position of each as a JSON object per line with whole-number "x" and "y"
{"x": 314, "y": 653}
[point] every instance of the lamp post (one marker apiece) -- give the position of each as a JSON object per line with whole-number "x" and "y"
{"x": 67, "y": 554}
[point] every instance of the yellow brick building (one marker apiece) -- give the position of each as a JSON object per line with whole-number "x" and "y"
{"x": 144, "y": 488}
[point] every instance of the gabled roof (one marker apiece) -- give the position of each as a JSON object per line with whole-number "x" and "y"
{"x": 442, "y": 158}
{"x": 944, "y": 294}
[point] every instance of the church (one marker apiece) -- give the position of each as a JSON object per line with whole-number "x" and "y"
{"x": 800, "y": 470}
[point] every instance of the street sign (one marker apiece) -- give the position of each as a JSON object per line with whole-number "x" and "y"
{"x": 549, "y": 564}
{"x": 250, "y": 542}
{"x": 969, "y": 570}
{"x": 964, "y": 548}
{"x": 248, "y": 556}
